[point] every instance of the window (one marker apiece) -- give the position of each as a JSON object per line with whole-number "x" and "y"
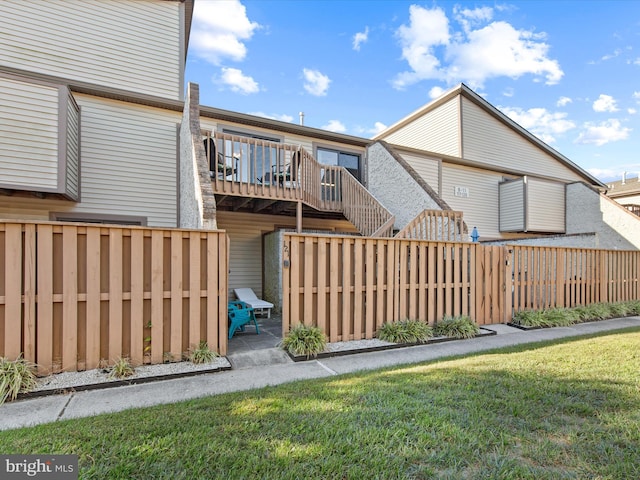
{"x": 348, "y": 160}
{"x": 261, "y": 156}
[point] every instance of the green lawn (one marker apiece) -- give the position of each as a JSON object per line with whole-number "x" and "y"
{"x": 569, "y": 409}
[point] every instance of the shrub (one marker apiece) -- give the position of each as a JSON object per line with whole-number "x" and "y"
{"x": 529, "y": 318}
{"x": 202, "y": 354}
{"x": 406, "y": 331}
{"x": 304, "y": 340}
{"x": 121, "y": 369}
{"x": 560, "y": 317}
{"x": 595, "y": 311}
{"x": 620, "y": 309}
{"x": 633, "y": 307}
{"x": 460, "y": 326}
{"x": 16, "y": 376}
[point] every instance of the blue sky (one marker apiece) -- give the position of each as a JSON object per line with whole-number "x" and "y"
{"x": 569, "y": 71}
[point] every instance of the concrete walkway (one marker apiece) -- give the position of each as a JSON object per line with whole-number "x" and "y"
{"x": 271, "y": 367}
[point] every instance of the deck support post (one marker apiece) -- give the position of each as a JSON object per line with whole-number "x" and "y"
{"x": 299, "y": 217}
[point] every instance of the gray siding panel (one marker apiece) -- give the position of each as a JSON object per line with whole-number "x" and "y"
{"x": 28, "y": 134}
{"x": 512, "y": 206}
{"x": 130, "y": 45}
{"x": 546, "y": 206}
{"x": 436, "y": 131}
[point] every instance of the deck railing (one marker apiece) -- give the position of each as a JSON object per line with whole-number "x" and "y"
{"x": 435, "y": 225}
{"x": 246, "y": 166}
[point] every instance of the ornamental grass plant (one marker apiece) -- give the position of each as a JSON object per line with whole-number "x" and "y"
{"x": 304, "y": 340}
{"x": 460, "y": 326}
{"x": 16, "y": 376}
{"x": 405, "y": 331}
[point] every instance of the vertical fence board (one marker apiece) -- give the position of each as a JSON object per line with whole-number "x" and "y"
{"x": 30, "y": 279}
{"x": 44, "y": 356}
{"x": 358, "y": 282}
{"x": 321, "y": 268}
{"x": 308, "y": 294}
{"x": 137, "y": 297}
{"x": 176, "y": 293}
{"x": 195, "y": 289}
{"x": 92, "y": 358}
{"x": 157, "y": 295}
{"x": 13, "y": 291}
{"x": 115, "y": 294}
{"x": 69, "y": 298}
{"x": 347, "y": 272}
{"x": 371, "y": 246}
{"x": 333, "y": 290}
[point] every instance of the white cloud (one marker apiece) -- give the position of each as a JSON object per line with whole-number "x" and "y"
{"x": 508, "y": 92}
{"x": 636, "y": 96}
{"x": 335, "y": 126}
{"x": 609, "y": 56}
{"x": 539, "y": 121}
{"x": 605, "y": 103}
{"x": 632, "y": 111}
{"x": 360, "y": 38}
{"x": 436, "y": 92}
{"x": 377, "y": 128}
{"x": 603, "y": 133}
{"x": 316, "y": 83}
{"x": 563, "y": 101}
{"x": 473, "y": 54}
{"x": 238, "y": 82}
{"x": 219, "y": 29}
{"x": 282, "y": 117}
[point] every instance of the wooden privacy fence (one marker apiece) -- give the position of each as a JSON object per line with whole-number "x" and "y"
{"x": 546, "y": 277}
{"x": 73, "y": 296}
{"x": 349, "y": 286}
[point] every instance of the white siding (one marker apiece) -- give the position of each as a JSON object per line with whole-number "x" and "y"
{"x": 245, "y": 232}
{"x": 426, "y": 167}
{"x": 489, "y": 141}
{"x": 512, "y": 206}
{"x": 435, "y": 131}
{"x": 28, "y": 135}
{"x": 481, "y": 207}
{"x": 545, "y": 206}
{"x": 125, "y": 44}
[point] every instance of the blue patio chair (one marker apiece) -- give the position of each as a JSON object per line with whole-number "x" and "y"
{"x": 240, "y": 314}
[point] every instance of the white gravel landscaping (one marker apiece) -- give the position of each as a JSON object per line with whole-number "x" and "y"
{"x": 71, "y": 380}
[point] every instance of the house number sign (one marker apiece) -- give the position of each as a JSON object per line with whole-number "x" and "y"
{"x": 461, "y": 192}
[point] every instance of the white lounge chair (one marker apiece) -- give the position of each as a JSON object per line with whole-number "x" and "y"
{"x": 247, "y": 295}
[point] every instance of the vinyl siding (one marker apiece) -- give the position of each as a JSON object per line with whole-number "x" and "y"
{"x": 128, "y": 160}
{"x": 28, "y": 135}
{"x": 73, "y": 149}
{"x": 245, "y": 232}
{"x": 545, "y": 206}
{"x": 489, "y": 141}
{"x": 435, "y": 131}
{"x": 481, "y": 208}
{"x": 124, "y": 44}
{"x": 512, "y": 206}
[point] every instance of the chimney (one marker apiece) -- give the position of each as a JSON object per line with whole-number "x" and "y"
{"x": 301, "y": 118}
{"x": 624, "y": 178}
